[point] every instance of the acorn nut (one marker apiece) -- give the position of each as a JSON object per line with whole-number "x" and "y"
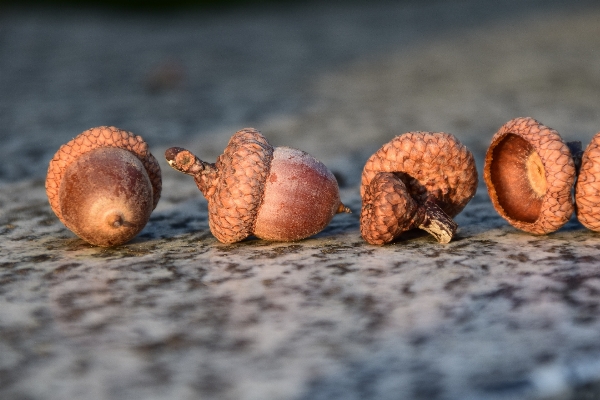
{"x": 417, "y": 180}
{"x": 103, "y": 185}
{"x": 274, "y": 193}
{"x": 529, "y": 172}
{"x": 587, "y": 188}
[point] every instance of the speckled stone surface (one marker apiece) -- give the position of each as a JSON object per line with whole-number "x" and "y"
{"x": 496, "y": 314}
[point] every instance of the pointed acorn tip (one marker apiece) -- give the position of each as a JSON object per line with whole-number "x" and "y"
{"x": 343, "y": 209}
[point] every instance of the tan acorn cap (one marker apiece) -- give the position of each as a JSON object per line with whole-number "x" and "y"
{"x": 102, "y": 136}
{"x": 388, "y": 210}
{"x": 587, "y": 189}
{"x": 529, "y": 173}
{"x": 243, "y": 169}
{"x": 435, "y": 164}
{"x": 417, "y": 180}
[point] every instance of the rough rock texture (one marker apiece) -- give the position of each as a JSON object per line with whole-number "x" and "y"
{"x": 496, "y": 314}
{"x": 587, "y": 190}
{"x": 556, "y": 204}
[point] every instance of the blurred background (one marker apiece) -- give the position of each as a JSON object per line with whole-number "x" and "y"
{"x": 337, "y": 79}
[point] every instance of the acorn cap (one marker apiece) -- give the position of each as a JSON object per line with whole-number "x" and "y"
{"x": 100, "y": 137}
{"x": 243, "y": 169}
{"x": 587, "y": 189}
{"x": 433, "y": 165}
{"x": 388, "y": 210}
{"x": 529, "y": 173}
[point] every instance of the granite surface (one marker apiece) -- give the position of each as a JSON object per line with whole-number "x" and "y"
{"x": 174, "y": 314}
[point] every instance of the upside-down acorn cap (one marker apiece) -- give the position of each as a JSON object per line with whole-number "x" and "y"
{"x": 587, "y": 189}
{"x": 434, "y": 165}
{"x": 103, "y": 136}
{"x": 243, "y": 169}
{"x": 529, "y": 173}
{"x": 388, "y": 210}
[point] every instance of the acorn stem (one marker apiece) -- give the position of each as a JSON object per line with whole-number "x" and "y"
{"x": 343, "y": 209}
{"x": 432, "y": 219}
{"x": 185, "y": 161}
{"x": 114, "y": 219}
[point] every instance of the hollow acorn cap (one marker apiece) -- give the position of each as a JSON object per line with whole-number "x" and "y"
{"x": 587, "y": 189}
{"x": 95, "y": 138}
{"x": 243, "y": 169}
{"x": 529, "y": 173}
{"x": 432, "y": 164}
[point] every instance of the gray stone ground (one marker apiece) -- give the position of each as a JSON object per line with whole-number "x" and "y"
{"x": 495, "y": 314}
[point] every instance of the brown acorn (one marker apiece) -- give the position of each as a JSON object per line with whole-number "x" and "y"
{"x": 587, "y": 188}
{"x": 529, "y": 172}
{"x": 103, "y": 185}
{"x": 274, "y": 193}
{"x": 417, "y": 180}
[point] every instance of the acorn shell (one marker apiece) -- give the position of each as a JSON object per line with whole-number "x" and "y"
{"x": 529, "y": 173}
{"x": 300, "y": 197}
{"x": 88, "y": 142}
{"x": 106, "y": 196}
{"x": 432, "y": 164}
{"x": 587, "y": 189}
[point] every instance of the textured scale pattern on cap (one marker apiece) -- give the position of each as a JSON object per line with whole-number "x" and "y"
{"x": 587, "y": 190}
{"x": 434, "y": 164}
{"x": 102, "y": 136}
{"x": 243, "y": 169}
{"x": 388, "y": 209}
{"x": 557, "y": 204}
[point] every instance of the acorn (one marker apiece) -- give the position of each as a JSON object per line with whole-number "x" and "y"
{"x": 587, "y": 189}
{"x": 103, "y": 185}
{"x": 529, "y": 172}
{"x": 417, "y": 180}
{"x": 273, "y": 193}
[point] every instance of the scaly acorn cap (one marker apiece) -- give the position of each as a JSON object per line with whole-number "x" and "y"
{"x": 529, "y": 172}
{"x": 245, "y": 165}
{"x": 417, "y": 180}
{"x": 103, "y": 136}
{"x": 389, "y": 210}
{"x": 587, "y": 189}
{"x": 433, "y": 164}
